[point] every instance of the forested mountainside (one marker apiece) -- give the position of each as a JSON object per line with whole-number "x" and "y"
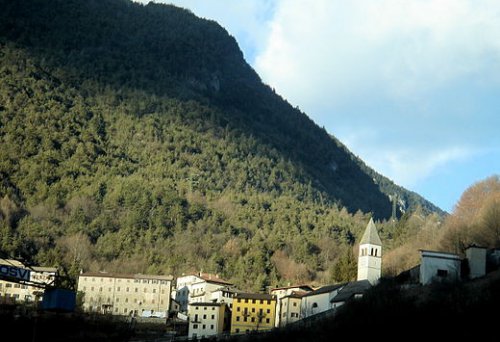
{"x": 137, "y": 138}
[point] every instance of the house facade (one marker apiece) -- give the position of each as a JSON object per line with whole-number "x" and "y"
{"x": 197, "y": 288}
{"x": 206, "y": 319}
{"x": 476, "y": 260}
{"x": 319, "y": 300}
{"x": 252, "y": 312}
{"x": 282, "y": 292}
{"x": 289, "y": 308}
{"x": 439, "y": 267}
{"x": 19, "y": 291}
{"x": 121, "y": 294}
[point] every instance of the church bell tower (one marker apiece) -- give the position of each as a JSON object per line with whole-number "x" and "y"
{"x": 370, "y": 255}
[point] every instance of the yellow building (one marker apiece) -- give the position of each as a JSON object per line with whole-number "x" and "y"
{"x": 252, "y": 312}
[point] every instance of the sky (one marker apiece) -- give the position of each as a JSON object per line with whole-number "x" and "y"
{"x": 411, "y": 87}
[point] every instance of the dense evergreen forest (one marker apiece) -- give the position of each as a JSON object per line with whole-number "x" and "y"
{"x": 137, "y": 139}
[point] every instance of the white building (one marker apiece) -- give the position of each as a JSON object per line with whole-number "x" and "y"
{"x": 476, "y": 258}
{"x": 224, "y": 295}
{"x": 439, "y": 266}
{"x": 319, "y": 300}
{"x": 206, "y": 319}
{"x": 289, "y": 308}
{"x": 197, "y": 289}
{"x": 27, "y": 284}
{"x": 282, "y": 292}
{"x": 122, "y": 294}
{"x": 370, "y": 255}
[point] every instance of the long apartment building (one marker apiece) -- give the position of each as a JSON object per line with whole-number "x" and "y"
{"x": 122, "y": 294}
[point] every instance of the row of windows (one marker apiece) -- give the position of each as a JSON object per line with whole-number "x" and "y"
{"x": 252, "y": 319}
{"x": 144, "y": 281}
{"x": 245, "y": 310}
{"x": 117, "y": 300}
{"x": 203, "y": 326}
{"x": 136, "y": 289}
{"x": 205, "y": 308}
{"x": 204, "y": 317}
{"x": 16, "y": 286}
{"x": 373, "y": 251}
{"x": 254, "y": 301}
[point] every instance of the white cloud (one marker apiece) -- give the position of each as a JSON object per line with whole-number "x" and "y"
{"x": 409, "y": 78}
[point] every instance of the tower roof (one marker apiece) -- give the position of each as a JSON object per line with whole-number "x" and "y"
{"x": 371, "y": 235}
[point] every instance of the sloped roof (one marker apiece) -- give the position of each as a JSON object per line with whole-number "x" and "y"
{"x": 302, "y": 287}
{"x": 213, "y": 278}
{"x": 264, "y": 296}
{"x": 126, "y": 276}
{"x": 324, "y": 289}
{"x": 351, "y": 289}
{"x": 371, "y": 235}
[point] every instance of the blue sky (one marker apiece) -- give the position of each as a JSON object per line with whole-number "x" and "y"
{"x": 412, "y": 87}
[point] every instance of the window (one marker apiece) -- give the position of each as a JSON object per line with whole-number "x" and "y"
{"x": 195, "y": 326}
{"x": 245, "y": 319}
{"x": 237, "y": 331}
{"x": 213, "y": 316}
{"x": 253, "y": 309}
{"x": 375, "y": 252}
{"x": 204, "y": 316}
{"x": 268, "y": 310}
{"x": 237, "y": 318}
{"x": 442, "y": 273}
{"x": 238, "y": 308}
{"x": 294, "y": 304}
{"x": 253, "y": 319}
{"x": 212, "y": 326}
{"x": 8, "y": 285}
{"x": 126, "y": 300}
{"x": 204, "y": 326}
{"x": 267, "y": 320}
{"x": 315, "y": 305}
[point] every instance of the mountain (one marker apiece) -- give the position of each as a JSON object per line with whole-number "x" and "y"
{"x": 137, "y": 137}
